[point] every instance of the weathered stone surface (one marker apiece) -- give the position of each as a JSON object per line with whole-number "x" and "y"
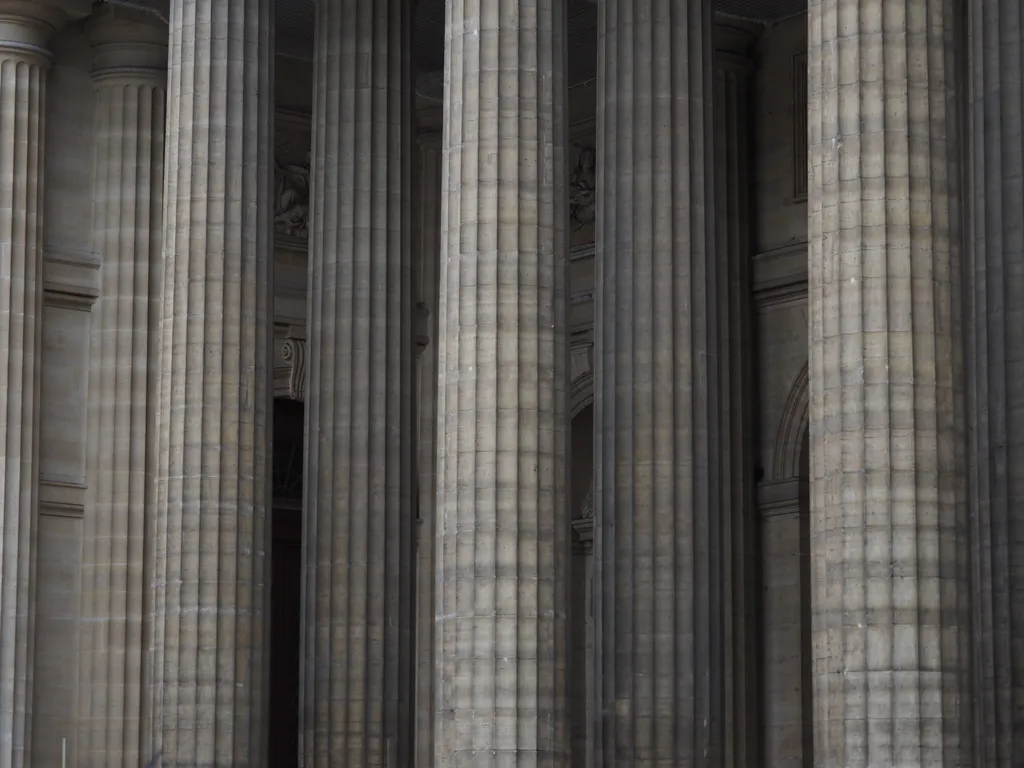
{"x": 213, "y": 442}
{"x": 502, "y": 513}
{"x": 358, "y": 610}
{"x": 888, "y": 518}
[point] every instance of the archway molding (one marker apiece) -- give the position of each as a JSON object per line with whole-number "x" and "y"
{"x": 792, "y": 432}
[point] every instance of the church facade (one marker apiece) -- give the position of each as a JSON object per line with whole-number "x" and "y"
{"x": 512, "y": 383}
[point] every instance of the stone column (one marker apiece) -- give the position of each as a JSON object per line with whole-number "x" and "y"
{"x": 658, "y": 542}
{"x": 888, "y": 521}
{"x": 25, "y": 31}
{"x": 502, "y": 509}
{"x": 996, "y": 369}
{"x": 212, "y": 517}
{"x": 130, "y": 73}
{"x": 357, "y": 679}
{"x": 740, "y": 590}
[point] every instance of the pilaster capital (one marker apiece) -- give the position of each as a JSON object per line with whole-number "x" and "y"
{"x": 28, "y": 26}
{"x": 128, "y": 44}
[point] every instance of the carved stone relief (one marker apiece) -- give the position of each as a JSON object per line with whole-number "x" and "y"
{"x": 291, "y": 175}
{"x": 294, "y": 353}
{"x": 583, "y": 188}
{"x": 291, "y": 199}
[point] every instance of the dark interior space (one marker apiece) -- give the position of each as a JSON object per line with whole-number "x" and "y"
{"x": 286, "y": 585}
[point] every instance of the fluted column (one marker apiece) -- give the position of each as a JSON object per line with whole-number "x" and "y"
{"x": 888, "y": 518}
{"x": 358, "y": 573}
{"x": 658, "y": 544}
{"x": 25, "y": 32}
{"x": 732, "y": 148}
{"x": 502, "y": 509}
{"x": 996, "y": 368}
{"x": 130, "y": 74}
{"x": 213, "y": 478}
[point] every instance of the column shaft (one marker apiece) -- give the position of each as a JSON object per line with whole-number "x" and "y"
{"x": 358, "y": 575}
{"x": 213, "y": 489}
{"x": 502, "y": 515}
{"x": 888, "y": 518}
{"x": 996, "y": 367}
{"x": 129, "y": 71}
{"x": 25, "y": 30}
{"x": 660, "y": 642}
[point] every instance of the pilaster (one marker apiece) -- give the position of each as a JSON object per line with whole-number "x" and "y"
{"x": 130, "y": 74}
{"x": 733, "y": 142}
{"x": 358, "y": 575}
{"x": 212, "y": 517}
{"x": 889, "y": 525}
{"x": 657, "y": 407}
{"x": 502, "y": 512}
{"x": 995, "y": 342}
{"x": 428, "y": 206}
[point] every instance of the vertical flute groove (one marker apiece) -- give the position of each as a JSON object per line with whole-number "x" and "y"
{"x": 996, "y": 361}
{"x": 358, "y": 576}
{"x": 129, "y": 61}
{"x": 888, "y": 523}
{"x": 212, "y": 513}
{"x": 502, "y": 513}
{"x": 23, "y": 73}
{"x": 656, "y": 408}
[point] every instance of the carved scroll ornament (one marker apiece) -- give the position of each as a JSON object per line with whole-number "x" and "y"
{"x": 294, "y": 353}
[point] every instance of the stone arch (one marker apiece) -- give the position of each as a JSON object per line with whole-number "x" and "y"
{"x": 581, "y": 388}
{"x": 792, "y": 433}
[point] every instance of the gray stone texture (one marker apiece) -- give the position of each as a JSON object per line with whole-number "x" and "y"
{"x": 996, "y": 366}
{"x": 130, "y": 73}
{"x": 358, "y": 612}
{"x": 212, "y": 515}
{"x": 660, "y": 644}
{"x": 502, "y": 515}
{"x": 888, "y": 516}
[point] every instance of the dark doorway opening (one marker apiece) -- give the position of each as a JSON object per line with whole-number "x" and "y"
{"x": 286, "y": 585}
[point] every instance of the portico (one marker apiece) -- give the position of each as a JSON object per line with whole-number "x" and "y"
{"x": 543, "y": 382}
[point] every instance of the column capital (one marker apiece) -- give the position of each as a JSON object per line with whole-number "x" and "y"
{"x": 27, "y": 26}
{"x": 128, "y": 44}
